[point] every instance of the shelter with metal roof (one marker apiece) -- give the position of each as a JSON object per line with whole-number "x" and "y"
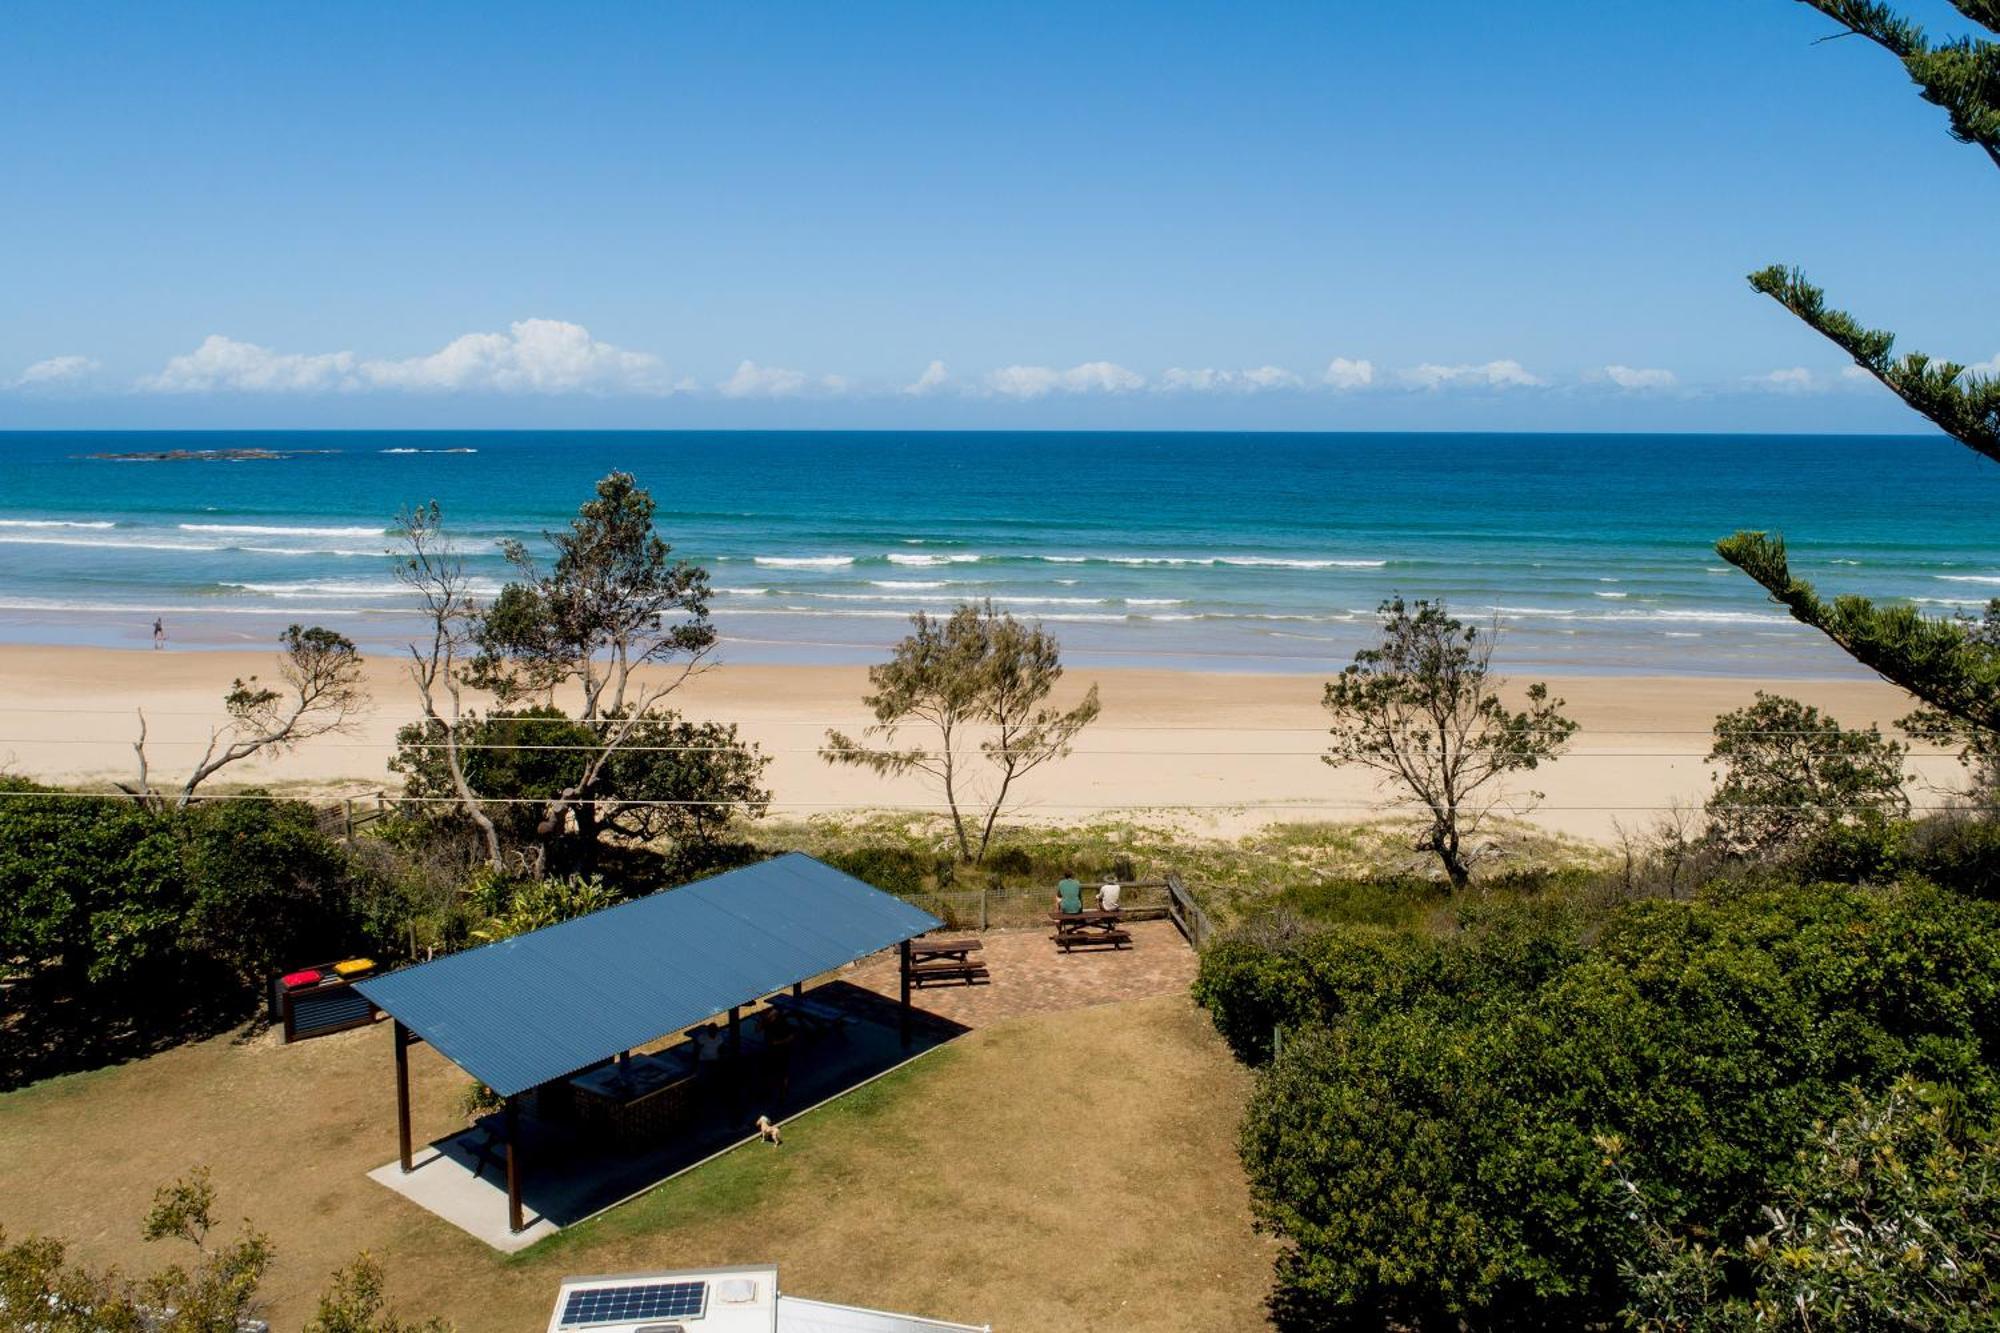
{"x": 523, "y": 1012}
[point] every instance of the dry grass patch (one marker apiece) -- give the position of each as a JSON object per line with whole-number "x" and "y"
{"x": 1071, "y": 1170}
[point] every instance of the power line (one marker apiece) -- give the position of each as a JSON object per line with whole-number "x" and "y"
{"x": 912, "y": 807}
{"x": 752, "y": 747}
{"x": 1096, "y": 728}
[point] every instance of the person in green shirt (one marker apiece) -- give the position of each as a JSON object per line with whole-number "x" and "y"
{"x": 1069, "y": 894}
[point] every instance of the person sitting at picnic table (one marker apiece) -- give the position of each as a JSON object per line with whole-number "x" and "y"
{"x": 1107, "y": 896}
{"x": 1069, "y": 895}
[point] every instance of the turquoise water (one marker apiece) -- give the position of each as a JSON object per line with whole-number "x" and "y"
{"x": 1239, "y": 552}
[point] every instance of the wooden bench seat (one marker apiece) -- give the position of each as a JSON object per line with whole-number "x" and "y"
{"x": 945, "y": 969}
{"x": 1091, "y": 939}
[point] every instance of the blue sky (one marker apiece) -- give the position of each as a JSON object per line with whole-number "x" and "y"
{"x": 1328, "y": 216}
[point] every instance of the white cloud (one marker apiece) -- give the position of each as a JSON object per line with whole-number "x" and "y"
{"x": 227, "y": 364}
{"x": 1489, "y": 375}
{"x": 935, "y": 379}
{"x": 534, "y": 356}
{"x": 1039, "y": 381}
{"x": 544, "y": 356}
{"x": 1344, "y": 374}
{"x": 1987, "y": 368}
{"x": 1793, "y": 379}
{"x": 1229, "y": 381}
{"x": 55, "y": 372}
{"x": 1628, "y": 377}
{"x": 754, "y": 381}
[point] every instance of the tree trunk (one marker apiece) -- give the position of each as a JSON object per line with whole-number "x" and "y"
{"x": 957, "y": 820}
{"x": 1444, "y": 841}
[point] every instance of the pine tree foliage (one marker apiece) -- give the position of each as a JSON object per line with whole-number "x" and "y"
{"x": 1947, "y": 664}
{"x": 1964, "y": 404}
{"x": 1942, "y": 662}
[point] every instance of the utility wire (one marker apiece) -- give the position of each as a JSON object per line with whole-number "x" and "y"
{"x": 937, "y": 807}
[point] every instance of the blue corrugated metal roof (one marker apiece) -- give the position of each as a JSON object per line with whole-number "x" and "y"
{"x": 523, "y": 1011}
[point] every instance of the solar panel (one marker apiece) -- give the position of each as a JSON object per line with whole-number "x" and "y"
{"x": 633, "y": 1302}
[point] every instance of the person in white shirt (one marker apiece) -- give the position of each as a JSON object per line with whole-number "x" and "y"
{"x": 708, "y": 1041}
{"x": 1107, "y": 895}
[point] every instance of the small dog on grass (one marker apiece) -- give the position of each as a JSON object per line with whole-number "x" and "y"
{"x": 769, "y": 1132}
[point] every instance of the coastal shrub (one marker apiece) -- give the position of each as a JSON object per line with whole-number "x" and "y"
{"x": 671, "y": 786}
{"x": 1891, "y": 1221}
{"x": 1399, "y": 903}
{"x": 1957, "y": 853}
{"x": 213, "y": 1288}
{"x": 120, "y": 909}
{"x": 1448, "y": 1143}
{"x": 897, "y": 870}
{"x": 1258, "y": 978}
{"x": 1867, "y": 850}
{"x": 513, "y": 907}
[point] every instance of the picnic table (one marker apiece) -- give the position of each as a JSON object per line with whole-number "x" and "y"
{"x": 1093, "y": 928}
{"x": 946, "y": 960}
{"x": 639, "y": 1099}
{"x": 811, "y": 1017}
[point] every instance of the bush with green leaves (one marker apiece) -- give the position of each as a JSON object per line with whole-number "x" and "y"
{"x": 43, "y": 1291}
{"x": 1891, "y": 1221}
{"x": 1788, "y": 771}
{"x": 1443, "y": 1145}
{"x": 104, "y": 896}
{"x": 1258, "y": 979}
{"x": 671, "y": 784}
{"x": 511, "y": 907}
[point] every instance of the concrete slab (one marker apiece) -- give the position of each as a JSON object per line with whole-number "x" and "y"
{"x": 474, "y": 1201}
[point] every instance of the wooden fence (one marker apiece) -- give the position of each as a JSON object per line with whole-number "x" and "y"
{"x": 1187, "y": 913}
{"x": 1139, "y": 900}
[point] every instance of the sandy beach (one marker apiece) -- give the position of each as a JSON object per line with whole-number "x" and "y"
{"x": 1214, "y": 753}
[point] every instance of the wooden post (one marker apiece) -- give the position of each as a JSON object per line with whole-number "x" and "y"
{"x": 512, "y": 1116}
{"x": 402, "y": 1040}
{"x": 348, "y": 806}
{"x": 736, "y": 1031}
{"x": 904, "y": 950}
{"x": 798, "y": 989}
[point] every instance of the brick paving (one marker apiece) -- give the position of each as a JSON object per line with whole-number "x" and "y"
{"x": 1030, "y": 976}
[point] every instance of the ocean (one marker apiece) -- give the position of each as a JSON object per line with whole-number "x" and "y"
{"x": 1239, "y": 552}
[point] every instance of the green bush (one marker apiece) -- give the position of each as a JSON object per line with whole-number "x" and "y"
{"x": 1892, "y": 1221}
{"x": 1867, "y": 851}
{"x": 1252, "y": 985}
{"x": 102, "y": 898}
{"x": 1443, "y": 1139}
{"x": 897, "y": 870}
{"x": 1959, "y": 854}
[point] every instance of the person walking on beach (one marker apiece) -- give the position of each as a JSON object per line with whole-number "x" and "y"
{"x": 159, "y": 634}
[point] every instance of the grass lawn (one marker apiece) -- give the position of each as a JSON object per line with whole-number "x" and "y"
{"x": 1072, "y": 1170}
